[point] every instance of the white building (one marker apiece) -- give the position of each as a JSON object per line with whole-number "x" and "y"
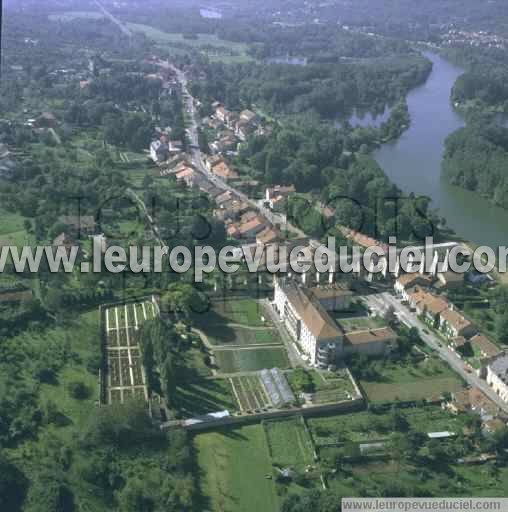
{"x": 315, "y": 332}
{"x": 497, "y": 377}
{"x": 159, "y": 151}
{"x": 319, "y": 337}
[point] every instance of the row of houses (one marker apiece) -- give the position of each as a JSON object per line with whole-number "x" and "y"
{"x": 463, "y": 335}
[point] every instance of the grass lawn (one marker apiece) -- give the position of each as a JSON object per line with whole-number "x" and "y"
{"x": 289, "y": 443}
{"x": 74, "y": 15}
{"x": 401, "y": 380}
{"x": 240, "y": 311}
{"x": 233, "y": 361}
{"x": 239, "y": 322}
{"x": 233, "y": 465}
{"x": 227, "y": 335}
{"x": 361, "y": 323}
{"x": 209, "y": 44}
{"x": 12, "y": 231}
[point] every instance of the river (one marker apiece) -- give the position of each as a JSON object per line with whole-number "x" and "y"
{"x": 413, "y": 162}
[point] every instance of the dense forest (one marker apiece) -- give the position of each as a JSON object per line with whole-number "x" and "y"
{"x": 329, "y": 90}
{"x": 476, "y": 158}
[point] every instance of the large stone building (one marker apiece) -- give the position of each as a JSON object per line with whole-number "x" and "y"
{"x": 497, "y": 377}
{"x": 321, "y": 340}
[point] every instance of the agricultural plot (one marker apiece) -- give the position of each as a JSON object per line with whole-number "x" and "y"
{"x": 250, "y": 393}
{"x": 234, "y": 465}
{"x": 125, "y": 376}
{"x": 428, "y": 379}
{"x": 289, "y": 443}
{"x": 251, "y": 360}
{"x": 261, "y": 391}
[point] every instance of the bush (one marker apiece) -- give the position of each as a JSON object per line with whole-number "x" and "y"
{"x": 79, "y": 390}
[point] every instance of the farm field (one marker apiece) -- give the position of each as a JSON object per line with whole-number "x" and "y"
{"x": 209, "y": 44}
{"x": 289, "y": 443}
{"x": 249, "y": 393}
{"x": 75, "y": 15}
{"x": 407, "y": 381}
{"x": 125, "y": 377}
{"x": 368, "y": 426}
{"x": 227, "y": 482}
{"x": 250, "y": 360}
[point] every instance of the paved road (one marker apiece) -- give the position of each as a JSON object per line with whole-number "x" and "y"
{"x": 116, "y": 21}
{"x": 382, "y": 301}
{"x": 197, "y": 156}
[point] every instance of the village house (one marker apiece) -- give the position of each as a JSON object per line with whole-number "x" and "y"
{"x": 404, "y": 283}
{"x": 275, "y": 194}
{"x": 497, "y": 376}
{"x": 247, "y": 116}
{"x": 454, "y": 324}
{"x": 484, "y": 347}
{"x": 427, "y": 305}
{"x": 159, "y": 151}
{"x": 248, "y": 230}
{"x": 223, "y": 171}
{"x": 371, "y": 342}
{"x": 471, "y": 400}
{"x": 186, "y": 175}
{"x": 267, "y": 236}
{"x": 211, "y": 161}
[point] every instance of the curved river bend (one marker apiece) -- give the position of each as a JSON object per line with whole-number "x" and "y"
{"x": 414, "y": 161}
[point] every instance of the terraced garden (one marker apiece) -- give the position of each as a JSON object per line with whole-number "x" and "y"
{"x": 250, "y": 360}
{"x": 125, "y": 377}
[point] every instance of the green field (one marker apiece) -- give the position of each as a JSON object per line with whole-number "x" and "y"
{"x": 289, "y": 443}
{"x": 361, "y": 323}
{"x": 368, "y": 426}
{"x": 204, "y": 396}
{"x": 12, "y": 231}
{"x": 209, "y": 44}
{"x": 233, "y": 361}
{"x": 234, "y": 464}
{"x": 400, "y": 380}
{"x": 237, "y": 322}
{"x": 75, "y": 15}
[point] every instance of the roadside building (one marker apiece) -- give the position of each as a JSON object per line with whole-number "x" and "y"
{"x": 454, "y": 324}
{"x": 497, "y": 376}
{"x": 406, "y": 282}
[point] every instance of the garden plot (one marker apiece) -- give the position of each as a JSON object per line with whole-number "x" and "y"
{"x": 125, "y": 378}
{"x": 261, "y": 391}
{"x": 289, "y": 443}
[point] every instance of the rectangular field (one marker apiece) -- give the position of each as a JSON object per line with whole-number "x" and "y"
{"x": 289, "y": 443}
{"x": 249, "y": 393}
{"x": 125, "y": 378}
{"x": 234, "y": 465}
{"x": 413, "y": 380}
{"x": 250, "y": 360}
